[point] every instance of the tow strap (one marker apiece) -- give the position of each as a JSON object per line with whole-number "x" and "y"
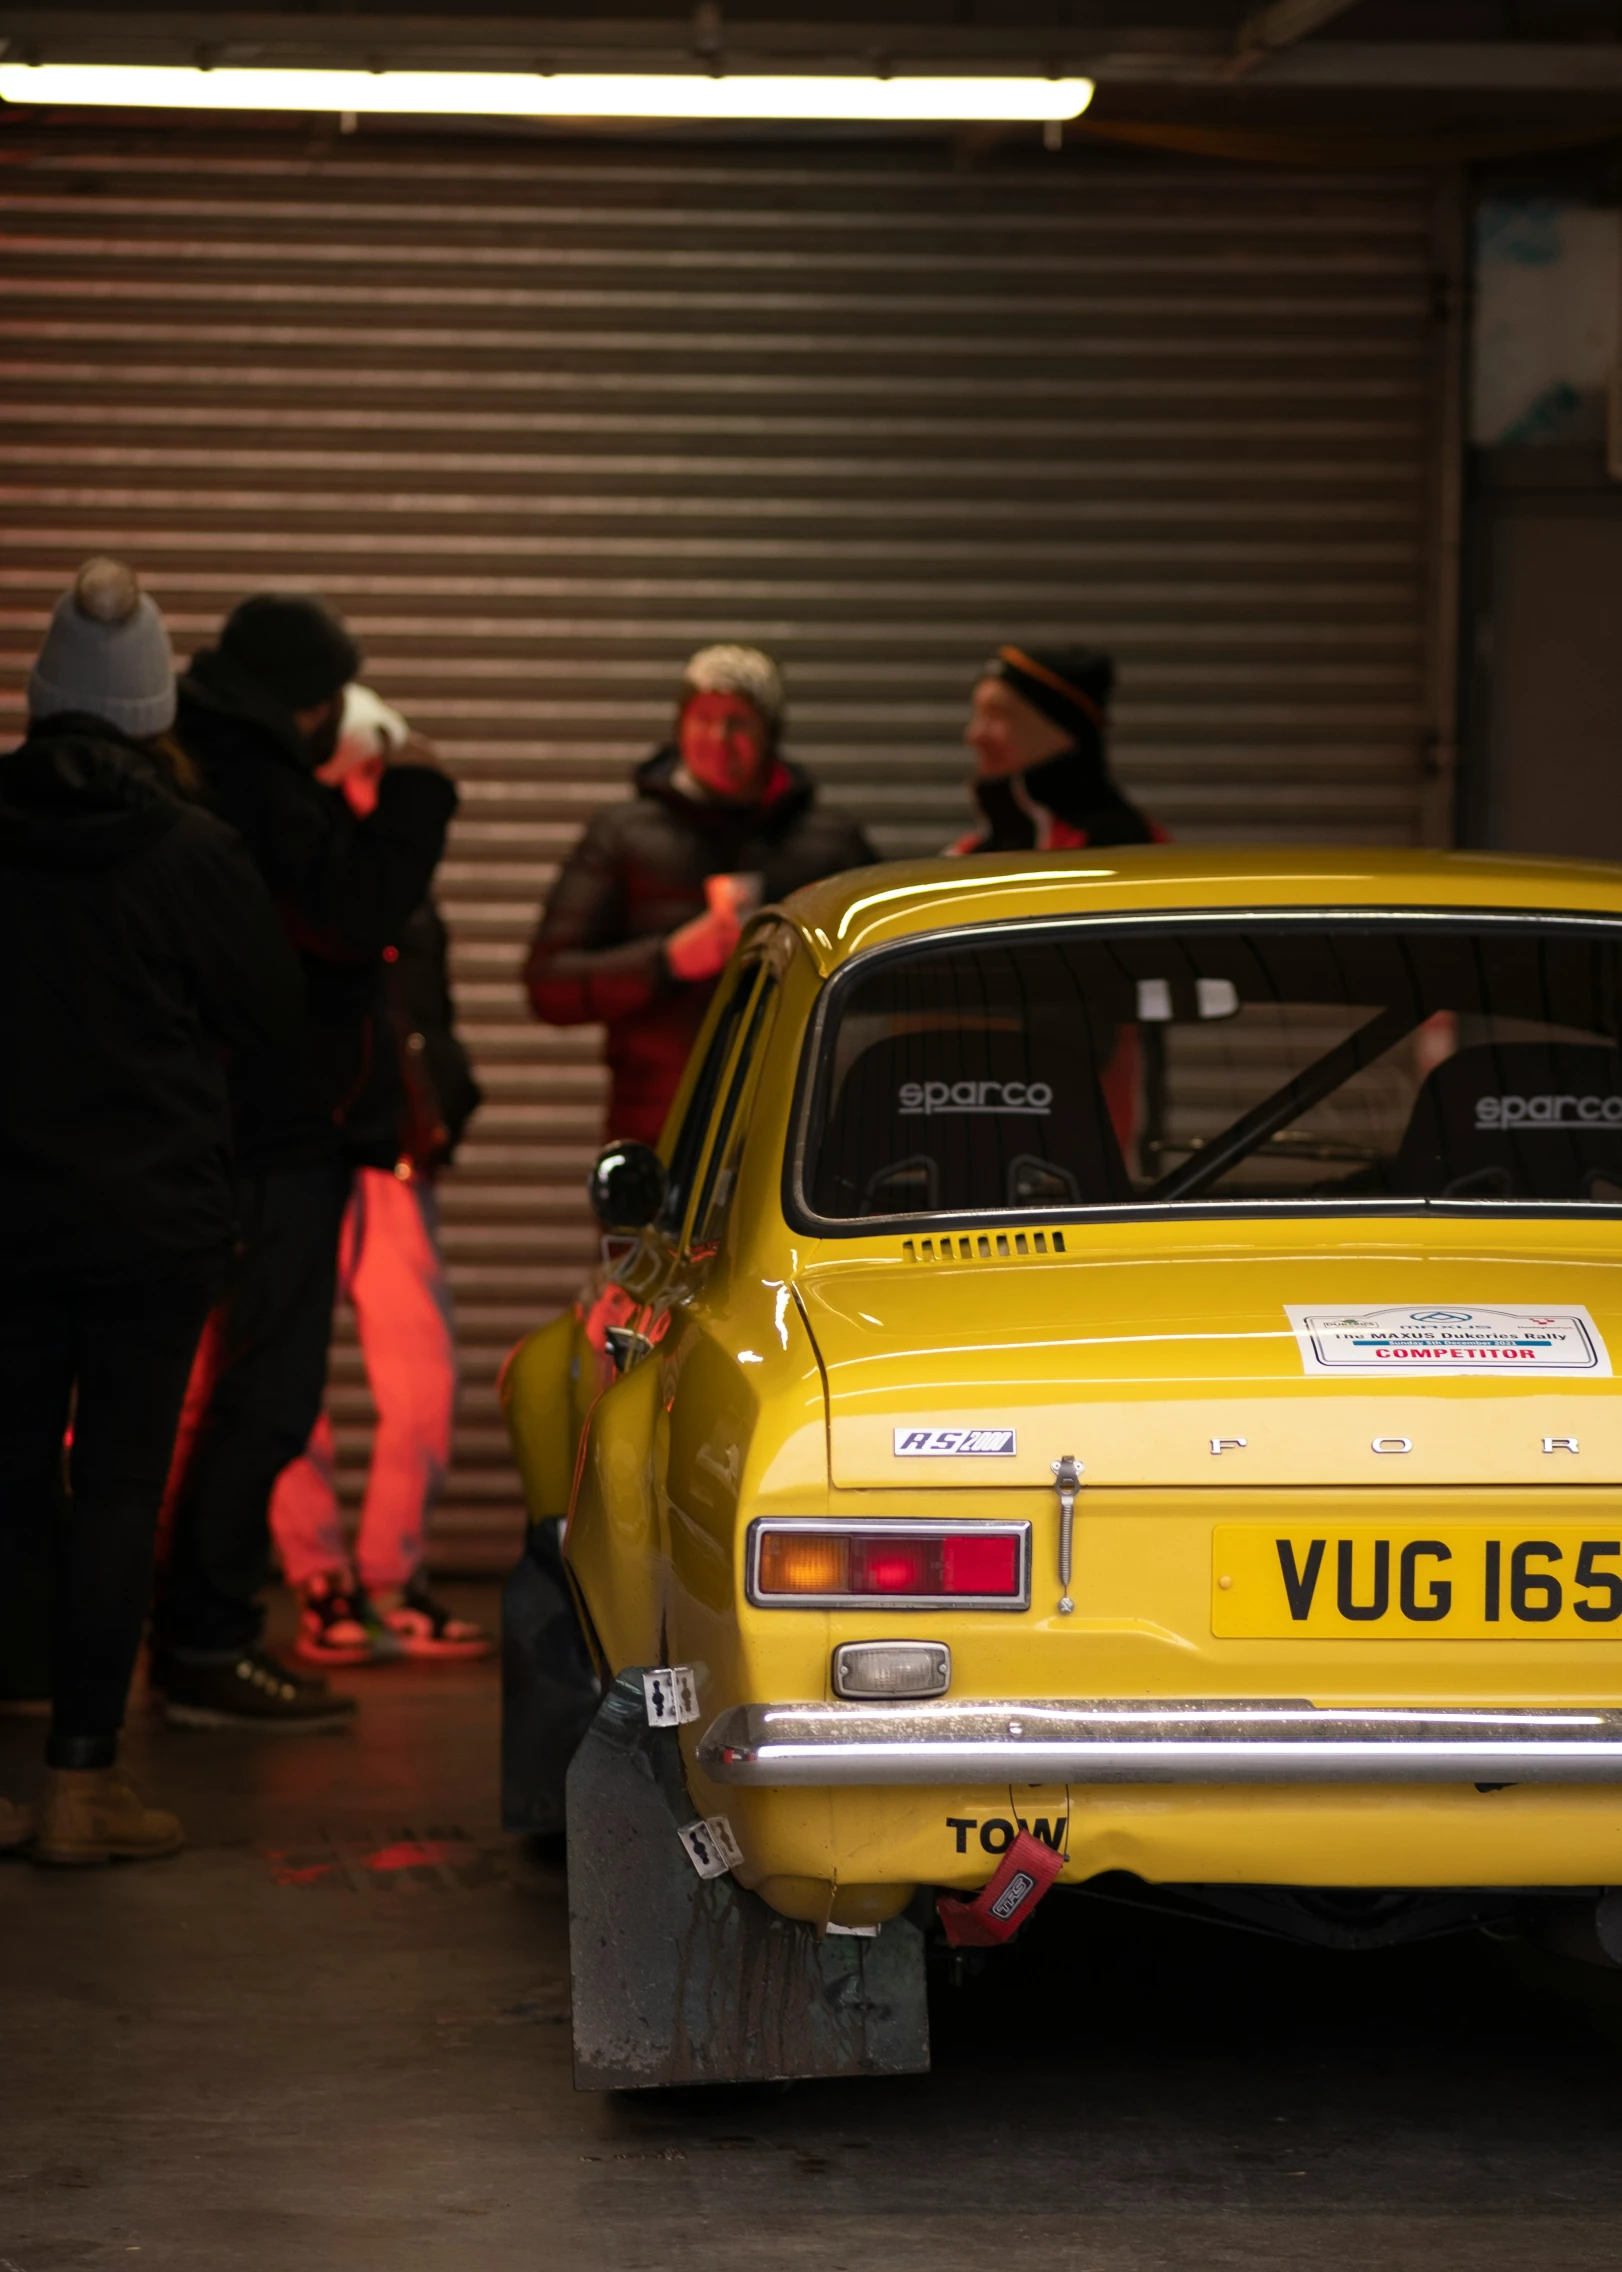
{"x": 999, "y": 1909}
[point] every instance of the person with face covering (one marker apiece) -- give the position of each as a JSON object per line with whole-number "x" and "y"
{"x": 359, "y": 1608}
{"x": 1038, "y": 729}
{"x": 259, "y": 714}
{"x": 652, "y": 900}
{"x": 143, "y": 958}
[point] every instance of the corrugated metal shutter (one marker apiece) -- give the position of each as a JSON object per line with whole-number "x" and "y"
{"x": 542, "y": 420}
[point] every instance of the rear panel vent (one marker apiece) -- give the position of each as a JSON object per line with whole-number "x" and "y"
{"x": 983, "y": 1246}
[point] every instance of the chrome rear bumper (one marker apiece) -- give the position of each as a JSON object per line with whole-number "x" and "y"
{"x": 774, "y": 1745}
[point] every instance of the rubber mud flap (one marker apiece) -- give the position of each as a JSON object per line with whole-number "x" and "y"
{"x": 549, "y": 1687}
{"x": 679, "y": 1979}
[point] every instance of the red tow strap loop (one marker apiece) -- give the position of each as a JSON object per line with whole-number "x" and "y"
{"x": 999, "y": 1909}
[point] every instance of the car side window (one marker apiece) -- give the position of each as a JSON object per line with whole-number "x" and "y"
{"x": 689, "y": 1150}
{"x": 721, "y": 1168}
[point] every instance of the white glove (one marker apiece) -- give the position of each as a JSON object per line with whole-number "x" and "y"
{"x": 370, "y": 729}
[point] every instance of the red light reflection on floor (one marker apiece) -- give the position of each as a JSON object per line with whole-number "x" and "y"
{"x": 453, "y": 1858}
{"x": 421, "y": 1854}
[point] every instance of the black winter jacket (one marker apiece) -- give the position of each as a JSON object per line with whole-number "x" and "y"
{"x": 638, "y": 874}
{"x": 441, "y": 1094}
{"x": 1065, "y": 803}
{"x": 138, "y": 947}
{"x": 344, "y": 888}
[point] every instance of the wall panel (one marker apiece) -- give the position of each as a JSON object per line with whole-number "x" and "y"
{"x": 540, "y": 420}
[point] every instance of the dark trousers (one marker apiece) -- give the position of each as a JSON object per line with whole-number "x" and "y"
{"x": 111, "y": 1359}
{"x": 267, "y": 1351}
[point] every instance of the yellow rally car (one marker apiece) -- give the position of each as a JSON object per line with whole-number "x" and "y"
{"x": 1109, "y": 1375}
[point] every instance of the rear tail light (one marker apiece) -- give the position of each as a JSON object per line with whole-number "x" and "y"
{"x": 972, "y": 1565}
{"x": 894, "y": 1566}
{"x": 967, "y": 1565}
{"x": 803, "y": 1565}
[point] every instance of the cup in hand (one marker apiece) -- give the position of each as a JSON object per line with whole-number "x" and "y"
{"x": 735, "y": 896}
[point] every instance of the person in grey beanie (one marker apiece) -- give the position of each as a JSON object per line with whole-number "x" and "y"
{"x": 106, "y": 656}
{"x": 141, "y": 953}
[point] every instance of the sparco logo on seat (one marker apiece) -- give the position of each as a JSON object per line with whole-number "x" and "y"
{"x": 931, "y": 1097}
{"x": 1549, "y": 1112}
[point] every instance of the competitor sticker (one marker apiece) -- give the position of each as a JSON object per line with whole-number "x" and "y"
{"x": 1454, "y": 1339}
{"x": 954, "y": 1443}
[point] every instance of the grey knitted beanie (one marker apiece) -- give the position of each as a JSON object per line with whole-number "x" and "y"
{"x": 729, "y": 669}
{"x": 106, "y": 654}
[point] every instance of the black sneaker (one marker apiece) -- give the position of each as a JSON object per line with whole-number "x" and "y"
{"x": 421, "y": 1626}
{"x": 253, "y": 1691}
{"x": 338, "y": 1625}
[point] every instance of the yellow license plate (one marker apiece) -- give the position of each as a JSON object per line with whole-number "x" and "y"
{"x": 1457, "y": 1582}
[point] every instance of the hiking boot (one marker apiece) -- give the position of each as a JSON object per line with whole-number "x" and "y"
{"x": 338, "y": 1624}
{"x": 420, "y": 1626}
{"x": 95, "y": 1814}
{"x": 16, "y": 1826}
{"x": 251, "y": 1691}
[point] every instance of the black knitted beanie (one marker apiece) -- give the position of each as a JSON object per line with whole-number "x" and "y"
{"x": 293, "y": 647}
{"x": 1070, "y": 685}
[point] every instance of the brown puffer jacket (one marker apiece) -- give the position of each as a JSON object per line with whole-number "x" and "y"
{"x": 638, "y": 874}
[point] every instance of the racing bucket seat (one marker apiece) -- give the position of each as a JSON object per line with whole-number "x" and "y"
{"x": 966, "y": 1117}
{"x": 1517, "y": 1120}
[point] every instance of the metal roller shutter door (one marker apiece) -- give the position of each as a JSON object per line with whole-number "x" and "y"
{"x": 541, "y": 420}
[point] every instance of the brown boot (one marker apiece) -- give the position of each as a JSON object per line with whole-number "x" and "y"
{"x": 16, "y": 1826}
{"x": 95, "y": 1814}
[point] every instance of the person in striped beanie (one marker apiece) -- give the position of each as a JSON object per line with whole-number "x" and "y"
{"x": 1039, "y": 729}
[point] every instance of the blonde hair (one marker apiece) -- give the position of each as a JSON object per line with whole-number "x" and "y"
{"x": 175, "y": 763}
{"x": 731, "y": 669}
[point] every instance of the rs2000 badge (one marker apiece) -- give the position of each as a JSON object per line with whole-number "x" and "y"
{"x": 954, "y": 1443}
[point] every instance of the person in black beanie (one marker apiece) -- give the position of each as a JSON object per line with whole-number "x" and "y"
{"x": 1038, "y": 729}
{"x": 258, "y": 714}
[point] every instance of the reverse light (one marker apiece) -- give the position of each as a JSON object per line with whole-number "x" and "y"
{"x": 892, "y": 1668}
{"x": 908, "y": 1565}
{"x": 564, "y": 94}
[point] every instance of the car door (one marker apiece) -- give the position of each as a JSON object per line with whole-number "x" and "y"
{"x": 617, "y": 1537}
{"x": 712, "y": 1395}
{"x": 633, "y": 1290}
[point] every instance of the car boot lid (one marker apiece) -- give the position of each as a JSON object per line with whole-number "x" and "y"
{"x": 1223, "y": 1370}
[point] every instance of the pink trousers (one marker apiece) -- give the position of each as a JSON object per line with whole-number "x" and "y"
{"x": 390, "y": 1272}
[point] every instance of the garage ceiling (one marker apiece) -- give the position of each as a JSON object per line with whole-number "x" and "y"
{"x": 1381, "y": 81}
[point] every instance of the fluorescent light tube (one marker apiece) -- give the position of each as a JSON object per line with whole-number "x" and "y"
{"x": 566, "y": 94}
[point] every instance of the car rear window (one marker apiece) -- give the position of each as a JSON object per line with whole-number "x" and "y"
{"x": 1204, "y": 1061}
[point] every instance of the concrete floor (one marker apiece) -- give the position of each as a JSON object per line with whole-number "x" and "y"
{"x": 332, "y": 2037}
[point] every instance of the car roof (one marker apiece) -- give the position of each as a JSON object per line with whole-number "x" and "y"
{"x": 868, "y": 907}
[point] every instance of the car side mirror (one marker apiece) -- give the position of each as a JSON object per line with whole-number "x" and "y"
{"x": 626, "y": 1186}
